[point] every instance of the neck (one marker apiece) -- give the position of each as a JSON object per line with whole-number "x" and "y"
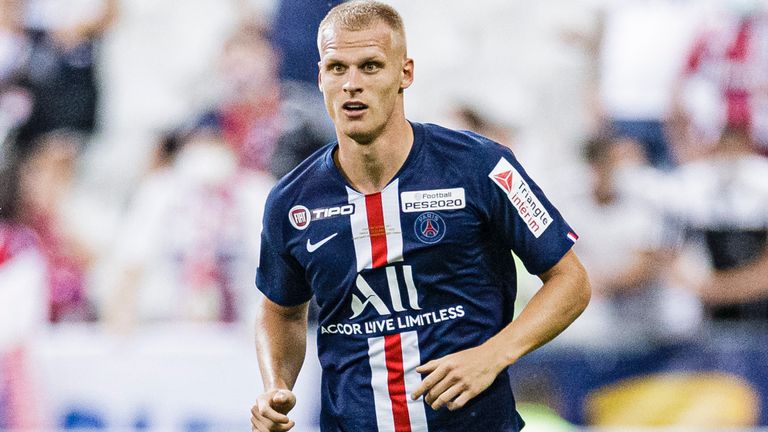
{"x": 370, "y": 167}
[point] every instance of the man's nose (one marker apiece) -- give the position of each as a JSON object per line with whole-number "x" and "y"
{"x": 353, "y": 85}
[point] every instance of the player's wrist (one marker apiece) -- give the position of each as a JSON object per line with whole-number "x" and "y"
{"x": 499, "y": 355}
{"x": 275, "y": 386}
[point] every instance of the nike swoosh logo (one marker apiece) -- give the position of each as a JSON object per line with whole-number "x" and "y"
{"x": 313, "y": 247}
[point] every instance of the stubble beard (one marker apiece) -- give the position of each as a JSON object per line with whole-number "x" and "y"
{"x": 363, "y": 135}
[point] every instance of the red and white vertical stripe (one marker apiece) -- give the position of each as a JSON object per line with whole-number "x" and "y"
{"x": 378, "y": 240}
{"x": 376, "y": 230}
{"x": 393, "y": 360}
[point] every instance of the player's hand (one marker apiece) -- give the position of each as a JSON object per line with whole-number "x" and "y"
{"x": 455, "y": 379}
{"x": 271, "y": 409}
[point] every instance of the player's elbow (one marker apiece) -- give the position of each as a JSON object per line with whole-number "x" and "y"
{"x": 572, "y": 282}
{"x": 583, "y": 291}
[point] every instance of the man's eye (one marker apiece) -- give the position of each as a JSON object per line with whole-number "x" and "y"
{"x": 337, "y": 68}
{"x": 370, "y": 67}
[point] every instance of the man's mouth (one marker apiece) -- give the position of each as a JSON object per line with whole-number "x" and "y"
{"x": 354, "y": 106}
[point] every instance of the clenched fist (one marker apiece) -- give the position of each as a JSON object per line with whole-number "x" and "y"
{"x": 271, "y": 409}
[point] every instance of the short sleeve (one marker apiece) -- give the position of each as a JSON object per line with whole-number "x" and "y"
{"x": 279, "y": 276}
{"x": 522, "y": 217}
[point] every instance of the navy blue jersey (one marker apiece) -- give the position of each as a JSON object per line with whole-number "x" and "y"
{"x": 417, "y": 271}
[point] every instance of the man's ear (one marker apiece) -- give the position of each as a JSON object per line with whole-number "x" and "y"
{"x": 407, "y": 74}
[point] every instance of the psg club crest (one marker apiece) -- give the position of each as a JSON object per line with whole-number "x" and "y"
{"x": 429, "y": 228}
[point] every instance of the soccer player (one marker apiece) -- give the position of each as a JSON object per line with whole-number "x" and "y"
{"x": 402, "y": 232}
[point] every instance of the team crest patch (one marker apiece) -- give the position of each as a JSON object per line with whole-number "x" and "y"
{"x": 429, "y": 228}
{"x": 299, "y": 217}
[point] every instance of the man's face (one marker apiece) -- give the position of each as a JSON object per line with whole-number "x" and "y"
{"x": 361, "y": 76}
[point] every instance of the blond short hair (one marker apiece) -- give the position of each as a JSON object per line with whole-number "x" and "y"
{"x": 361, "y": 14}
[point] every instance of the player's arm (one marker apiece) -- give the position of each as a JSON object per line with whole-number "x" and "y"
{"x": 281, "y": 339}
{"x": 455, "y": 379}
{"x": 563, "y": 297}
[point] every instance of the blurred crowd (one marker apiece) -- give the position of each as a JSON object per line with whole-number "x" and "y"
{"x": 675, "y": 223}
{"x": 668, "y": 191}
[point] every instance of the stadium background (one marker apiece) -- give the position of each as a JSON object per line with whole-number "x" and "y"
{"x": 147, "y": 329}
